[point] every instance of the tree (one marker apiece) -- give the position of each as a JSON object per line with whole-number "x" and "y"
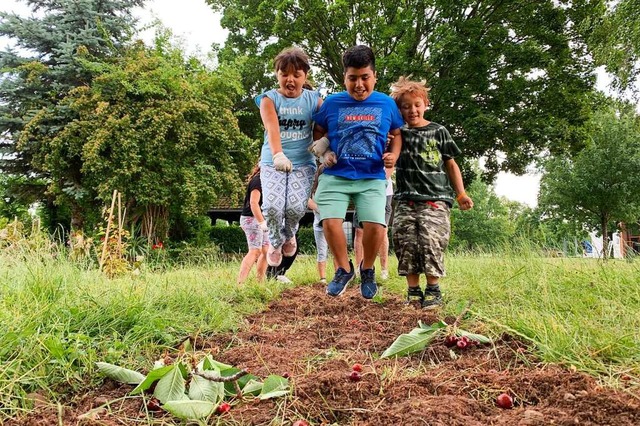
{"x": 601, "y": 185}
{"x": 41, "y": 73}
{"x": 616, "y": 43}
{"x": 487, "y": 225}
{"x": 507, "y": 77}
{"x": 156, "y": 127}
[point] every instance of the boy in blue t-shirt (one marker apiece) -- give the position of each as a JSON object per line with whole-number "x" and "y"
{"x": 356, "y": 123}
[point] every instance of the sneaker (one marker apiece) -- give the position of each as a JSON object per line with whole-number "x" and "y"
{"x": 415, "y": 293}
{"x": 289, "y": 247}
{"x": 284, "y": 279}
{"x": 338, "y": 284}
{"x": 368, "y": 286}
{"x": 274, "y": 256}
{"x": 384, "y": 274}
{"x": 432, "y": 299}
{"x": 323, "y": 280}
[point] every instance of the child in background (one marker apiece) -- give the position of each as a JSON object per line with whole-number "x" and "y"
{"x": 253, "y": 224}
{"x": 287, "y": 167}
{"x": 426, "y": 178}
{"x": 322, "y": 247}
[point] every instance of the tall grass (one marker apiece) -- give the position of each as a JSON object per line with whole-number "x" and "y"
{"x": 57, "y": 317}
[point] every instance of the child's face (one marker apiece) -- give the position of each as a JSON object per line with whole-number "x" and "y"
{"x": 291, "y": 81}
{"x": 359, "y": 82}
{"x": 412, "y": 108}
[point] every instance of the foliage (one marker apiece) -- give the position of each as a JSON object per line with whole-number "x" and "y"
{"x": 615, "y": 41}
{"x": 419, "y": 338}
{"x": 45, "y": 68}
{"x": 487, "y": 225}
{"x": 194, "y": 394}
{"x": 511, "y": 77}
{"x": 601, "y": 185}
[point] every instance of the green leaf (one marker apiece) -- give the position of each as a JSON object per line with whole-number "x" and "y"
{"x": 415, "y": 341}
{"x": 229, "y": 387}
{"x": 434, "y": 326}
{"x": 120, "y": 374}
{"x": 274, "y": 386}
{"x": 208, "y": 363}
{"x": 189, "y": 409}
{"x": 171, "y": 386}
{"x": 472, "y": 336}
{"x": 151, "y": 378}
{"x": 253, "y": 387}
{"x": 205, "y": 390}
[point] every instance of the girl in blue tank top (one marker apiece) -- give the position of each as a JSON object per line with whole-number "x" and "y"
{"x": 286, "y": 165}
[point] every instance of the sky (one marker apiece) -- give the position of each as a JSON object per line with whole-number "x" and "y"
{"x": 195, "y": 24}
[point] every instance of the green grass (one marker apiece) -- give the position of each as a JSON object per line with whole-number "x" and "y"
{"x": 57, "y": 319}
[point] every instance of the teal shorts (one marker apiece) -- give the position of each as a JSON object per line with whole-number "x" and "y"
{"x": 368, "y": 195}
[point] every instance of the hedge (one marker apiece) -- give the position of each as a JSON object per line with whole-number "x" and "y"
{"x": 231, "y": 239}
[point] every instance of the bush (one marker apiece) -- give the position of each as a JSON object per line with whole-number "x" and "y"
{"x": 231, "y": 239}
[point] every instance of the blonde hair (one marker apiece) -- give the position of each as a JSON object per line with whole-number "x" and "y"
{"x": 405, "y": 85}
{"x": 254, "y": 171}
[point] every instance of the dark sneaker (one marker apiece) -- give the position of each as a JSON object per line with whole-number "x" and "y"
{"x": 338, "y": 284}
{"x": 414, "y": 293}
{"x": 368, "y": 285}
{"x": 432, "y": 299}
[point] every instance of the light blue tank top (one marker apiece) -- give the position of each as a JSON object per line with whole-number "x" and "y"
{"x": 294, "y": 117}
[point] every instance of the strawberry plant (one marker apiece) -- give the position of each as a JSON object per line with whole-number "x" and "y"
{"x": 198, "y": 392}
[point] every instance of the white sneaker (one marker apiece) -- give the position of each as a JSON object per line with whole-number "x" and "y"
{"x": 384, "y": 274}
{"x": 283, "y": 279}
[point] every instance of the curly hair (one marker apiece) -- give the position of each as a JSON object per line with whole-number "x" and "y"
{"x": 405, "y": 85}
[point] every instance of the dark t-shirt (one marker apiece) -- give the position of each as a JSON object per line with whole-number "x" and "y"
{"x": 420, "y": 171}
{"x": 254, "y": 183}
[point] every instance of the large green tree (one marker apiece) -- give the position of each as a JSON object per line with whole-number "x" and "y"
{"x": 507, "y": 77}
{"x": 616, "y": 43}
{"x": 156, "y": 127}
{"x": 40, "y": 71}
{"x": 601, "y": 185}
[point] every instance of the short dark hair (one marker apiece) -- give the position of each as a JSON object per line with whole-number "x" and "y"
{"x": 360, "y": 56}
{"x": 292, "y": 57}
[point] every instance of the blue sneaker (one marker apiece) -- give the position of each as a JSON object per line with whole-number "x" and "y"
{"x": 368, "y": 286}
{"x": 338, "y": 284}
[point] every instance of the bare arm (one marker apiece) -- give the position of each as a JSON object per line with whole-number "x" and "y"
{"x": 455, "y": 177}
{"x": 254, "y": 203}
{"x": 318, "y": 132}
{"x": 271, "y": 125}
{"x": 395, "y": 145}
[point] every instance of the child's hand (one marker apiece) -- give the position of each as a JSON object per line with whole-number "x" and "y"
{"x": 328, "y": 159}
{"x": 389, "y": 159}
{"x": 281, "y": 163}
{"x": 464, "y": 201}
{"x": 319, "y": 147}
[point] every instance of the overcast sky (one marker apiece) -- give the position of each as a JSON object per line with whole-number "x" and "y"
{"x": 197, "y": 26}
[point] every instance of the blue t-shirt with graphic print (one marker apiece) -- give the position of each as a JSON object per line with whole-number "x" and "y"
{"x": 358, "y": 132}
{"x": 294, "y": 118}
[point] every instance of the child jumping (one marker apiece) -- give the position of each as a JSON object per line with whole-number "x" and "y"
{"x": 426, "y": 178}
{"x": 287, "y": 167}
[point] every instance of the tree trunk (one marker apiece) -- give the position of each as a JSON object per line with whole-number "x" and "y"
{"x": 605, "y": 236}
{"x": 77, "y": 218}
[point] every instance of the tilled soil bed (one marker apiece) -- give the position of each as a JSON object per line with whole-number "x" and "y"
{"x": 315, "y": 340}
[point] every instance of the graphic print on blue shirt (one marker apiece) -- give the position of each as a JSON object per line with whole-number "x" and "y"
{"x": 358, "y": 133}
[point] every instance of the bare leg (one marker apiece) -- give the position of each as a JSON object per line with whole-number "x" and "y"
{"x": 357, "y": 245}
{"x": 261, "y": 268}
{"x": 413, "y": 280}
{"x": 337, "y": 242}
{"x": 322, "y": 270}
{"x": 247, "y": 262}
{"x": 372, "y": 234}
{"x": 384, "y": 252}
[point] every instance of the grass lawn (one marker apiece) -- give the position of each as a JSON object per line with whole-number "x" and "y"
{"x": 57, "y": 319}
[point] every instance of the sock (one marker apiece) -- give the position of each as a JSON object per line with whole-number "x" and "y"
{"x": 433, "y": 288}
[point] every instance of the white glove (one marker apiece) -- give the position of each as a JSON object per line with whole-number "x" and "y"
{"x": 328, "y": 159}
{"x": 263, "y": 226}
{"x": 281, "y": 162}
{"x": 319, "y": 147}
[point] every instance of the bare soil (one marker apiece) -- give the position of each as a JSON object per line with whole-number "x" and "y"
{"x": 316, "y": 340}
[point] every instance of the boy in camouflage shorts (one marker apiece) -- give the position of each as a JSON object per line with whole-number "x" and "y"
{"x": 426, "y": 178}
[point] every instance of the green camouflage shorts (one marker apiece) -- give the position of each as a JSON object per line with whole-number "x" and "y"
{"x": 421, "y": 232}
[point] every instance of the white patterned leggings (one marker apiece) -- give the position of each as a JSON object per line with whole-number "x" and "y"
{"x": 284, "y": 200}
